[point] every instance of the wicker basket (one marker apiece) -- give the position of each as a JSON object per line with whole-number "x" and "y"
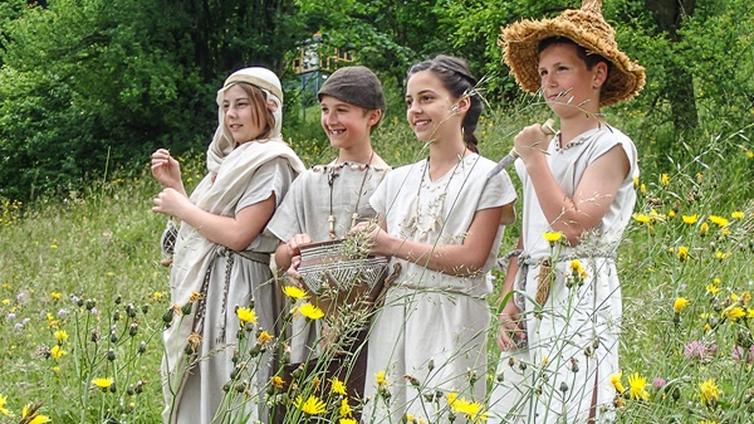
{"x": 335, "y": 280}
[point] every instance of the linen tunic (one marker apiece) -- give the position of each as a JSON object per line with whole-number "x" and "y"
{"x": 573, "y": 338}
{"x": 305, "y": 210}
{"x": 250, "y": 280}
{"x": 433, "y": 326}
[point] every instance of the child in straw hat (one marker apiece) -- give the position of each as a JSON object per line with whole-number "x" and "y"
{"x": 559, "y": 334}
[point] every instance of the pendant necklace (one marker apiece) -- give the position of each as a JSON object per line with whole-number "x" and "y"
{"x": 331, "y": 182}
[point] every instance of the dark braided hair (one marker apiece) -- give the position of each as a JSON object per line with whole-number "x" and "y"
{"x": 457, "y": 79}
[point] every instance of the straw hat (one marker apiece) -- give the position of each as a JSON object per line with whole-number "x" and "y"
{"x": 587, "y": 28}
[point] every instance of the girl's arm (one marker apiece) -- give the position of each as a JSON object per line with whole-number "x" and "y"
{"x": 235, "y": 232}
{"x": 461, "y": 260}
{"x": 509, "y": 318}
{"x": 593, "y": 196}
{"x": 167, "y": 171}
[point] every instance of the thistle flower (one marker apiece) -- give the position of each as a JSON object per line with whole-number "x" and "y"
{"x": 700, "y": 350}
{"x": 709, "y": 393}
{"x": 739, "y": 354}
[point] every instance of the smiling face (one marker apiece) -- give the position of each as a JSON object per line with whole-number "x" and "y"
{"x": 431, "y": 110}
{"x": 568, "y": 85}
{"x": 345, "y": 124}
{"x": 243, "y": 114}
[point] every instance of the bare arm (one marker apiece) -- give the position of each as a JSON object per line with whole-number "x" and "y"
{"x": 510, "y": 320}
{"x": 235, "y": 232}
{"x": 593, "y": 196}
{"x": 463, "y": 259}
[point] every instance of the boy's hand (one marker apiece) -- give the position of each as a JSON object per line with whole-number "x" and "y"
{"x": 165, "y": 169}
{"x": 295, "y": 243}
{"x": 293, "y": 276}
{"x": 511, "y": 335}
{"x": 531, "y": 142}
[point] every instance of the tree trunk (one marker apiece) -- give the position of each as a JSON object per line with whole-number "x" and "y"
{"x": 679, "y": 89}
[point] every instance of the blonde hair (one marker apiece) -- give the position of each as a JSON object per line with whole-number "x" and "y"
{"x": 261, "y": 114}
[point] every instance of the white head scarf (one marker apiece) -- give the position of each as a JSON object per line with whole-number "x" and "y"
{"x": 222, "y": 142}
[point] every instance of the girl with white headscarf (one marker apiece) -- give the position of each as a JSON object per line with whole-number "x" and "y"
{"x": 221, "y": 258}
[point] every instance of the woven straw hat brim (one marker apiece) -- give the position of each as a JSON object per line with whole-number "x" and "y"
{"x": 520, "y": 42}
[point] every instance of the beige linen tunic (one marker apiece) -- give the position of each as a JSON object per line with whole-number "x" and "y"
{"x": 433, "y": 326}
{"x": 305, "y": 210}
{"x": 575, "y": 321}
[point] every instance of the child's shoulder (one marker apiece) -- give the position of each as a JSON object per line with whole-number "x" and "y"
{"x": 609, "y": 135}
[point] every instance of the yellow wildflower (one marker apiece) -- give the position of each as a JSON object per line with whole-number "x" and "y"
{"x": 642, "y": 218}
{"x": 707, "y": 327}
{"x": 102, "y": 383}
{"x": 277, "y": 382}
{"x": 40, "y": 419}
{"x": 636, "y": 182}
{"x": 195, "y": 296}
{"x": 664, "y": 180}
{"x": 746, "y": 297}
{"x": 6, "y": 302}
{"x": 553, "y": 237}
{"x": 347, "y": 420}
{"x": 264, "y": 337}
{"x": 337, "y": 386}
{"x": 643, "y": 189}
{"x": 57, "y": 352}
{"x": 734, "y": 297}
{"x": 294, "y": 292}
{"x": 690, "y": 219}
{"x": 680, "y": 304}
{"x": 725, "y": 231}
{"x": 734, "y": 312}
{"x": 615, "y": 379}
{"x": 472, "y": 410}
{"x": 655, "y": 215}
{"x": 380, "y": 378}
{"x": 737, "y": 215}
{"x": 157, "y": 296}
{"x": 61, "y": 336}
{"x": 712, "y": 289}
{"x": 719, "y": 220}
{"x": 721, "y": 256}
{"x": 709, "y": 392}
{"x": 683, "y": 253}
{"x": 246, "y": 315}
{"x": 56, "y": 295}
{"x": 312, "y": 406}
{"x": 750, "y": 154}
{"x": 749, "y": 313}
{"x": 703, "y": 229}
{"x": 310, "y": 311}
{"x": 707, "y": 422}
{"x": 637, "y": 387}
{"x": 3, "y": 409}
{"x": 410, "y": 419}
{"x": 345, "y": 409}
{"x": 671, "y": 214}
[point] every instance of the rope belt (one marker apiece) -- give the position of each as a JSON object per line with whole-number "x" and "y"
{"x": 261, "y": 258}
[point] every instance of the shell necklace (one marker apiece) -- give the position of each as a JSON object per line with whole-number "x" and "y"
{"x": 331, "y": 182}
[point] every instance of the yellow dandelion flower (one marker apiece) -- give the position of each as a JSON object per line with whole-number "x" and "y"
{"x": 637, "y": 387}
{"x": 680, "y": 304}
{"x": 410, "y": 419}
{"x": 26, "y": 410}
{"x": 703, "y": 229}
{"x": 56, "y": 295}
{"x": 643, "y": 189}
{"x": 615, "y": 380}
{"x": 671, "y": 214}
{"x": 102, "y": 383}
{"x": 246, "y": 315}
{"x": 553, "y": 237}
{"x": 337, "y": 386}
{"x": 719, "y": 221}
{"x": 683, "y": 253}
{"x": 347, "y": 420}
{"x": 5, "y": 302}
{"x": 721, "y": 256}
{"x": 294, "y": 292}
{"x": 734, "y": 312}
{"x": 749, "y": 313}
{"x": 312, "y": 406}
{"x": 277, "y": 382}
{"x": 712, "y": 289}
{"x": 345, "y": 409}
{"x": 157, "y": 296}
{"x": 61, "y": 336}
{"x": 750, "y": 154}
{"x": 310, "y": 311}
{"x": 380, "y": 378}
{"x": 709, "y": 392}
{"x": 725, "y": 231}
{"x": 472, "y": 410}
{"x": 636, "y": 182}
{"x": 642, "y": 218}
{"x": 655, "y": 216}
{"x": 57, "y": 352}
{"x": 53, "y": 246}
{"x": 690, "y": 219}
{"x": 40, "y": 419}
{"x": 746, "y": 297}
{"x": 737, "y": 215}
{"x": 664, "y": 180}
{"x": 3, "y": 409}
{"x": 734, "y": 297}
{"x": 195, "y": 296}
{"x": 264, "y": 337}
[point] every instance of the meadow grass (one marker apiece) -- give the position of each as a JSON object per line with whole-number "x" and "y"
{"x": 88, "y": 265}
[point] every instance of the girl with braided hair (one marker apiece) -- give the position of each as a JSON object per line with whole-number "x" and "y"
{"x": 441, "y": 220}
